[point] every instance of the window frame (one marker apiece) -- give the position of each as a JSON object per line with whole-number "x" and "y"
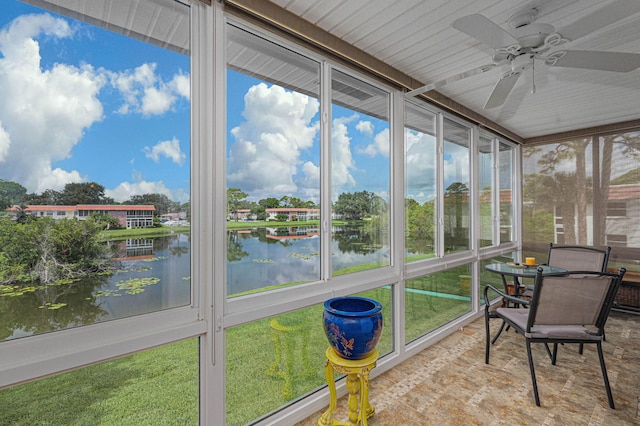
{"x": 252, "y": 307}
{"x": 73, "y": 348}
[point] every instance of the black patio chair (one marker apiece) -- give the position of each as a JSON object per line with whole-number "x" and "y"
{"x": 576, "y": 258}
{"x": 562, "y": 309}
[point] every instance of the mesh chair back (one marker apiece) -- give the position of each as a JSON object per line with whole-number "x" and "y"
{"x": 571, "y": 300}
{"x": 576, "y": 258}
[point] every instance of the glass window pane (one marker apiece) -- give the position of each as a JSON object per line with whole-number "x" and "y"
{"x": 579, "y": 192}
{"x": 488, "y": 277}
{"x": 360, "y": 175}
{"x": 99, "y": 124}
{"x": 273, "y": 362}
{"x": 456, "y": 186}
{"x": 436, "y": 299}
{"x": 552, "y": 189}
{"x": 273, "y": 165}
{"x": 505, "y": 162}
{"x": 485, "y": 185}
{"x": 421, "y": 178}
{"x": 155, "y": 387}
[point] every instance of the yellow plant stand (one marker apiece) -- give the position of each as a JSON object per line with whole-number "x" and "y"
{"x": 357, "y": 372}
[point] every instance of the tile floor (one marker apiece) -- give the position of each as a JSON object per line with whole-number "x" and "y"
{"x": 449, "y": 383}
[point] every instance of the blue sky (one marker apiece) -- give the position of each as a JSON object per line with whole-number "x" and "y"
{"x": 273, "y": 144}
{"x": 81, "y": 104}
{"x": 73, "y": 111}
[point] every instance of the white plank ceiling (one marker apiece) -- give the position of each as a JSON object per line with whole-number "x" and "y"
{"x": 416, "y": 37}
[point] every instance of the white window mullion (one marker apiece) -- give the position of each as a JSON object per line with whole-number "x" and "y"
{"x": 440, "y": 185}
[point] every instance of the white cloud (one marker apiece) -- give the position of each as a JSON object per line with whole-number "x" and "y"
{"x": 456, "y": 164}
{"x": 146, "y": 93}
{"x": 125, "y": 190}
{"x": 181, "y": 85}
{"x": 169, "y": 149}
{"x": 264, "y": 160}
{"x": 341, "y": 158}
{"x": 5, "y": 142}
{"x": 380, "y": 145}
{"x": 156, "y": 101}
{"x": 420, "y": 165}
{"x": 58, "y": 178}
{"x": 365, "y": 127}
{"x": 44, "y": 111}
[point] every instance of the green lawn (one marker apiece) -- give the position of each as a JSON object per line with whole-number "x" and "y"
{"x": 154, "y": 387}
{"x": 269, "y": 362}
{"x": 123, "y": 234}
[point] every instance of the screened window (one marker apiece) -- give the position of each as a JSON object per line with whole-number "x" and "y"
{"x": 98, "y": 116}
{"x": 584, "y": 191}
{"x": 421, "y": 182}
{"x": 616, "y": 208}
{"x": 273, "y": 165}
{"x": 505, "y": 197}
{"x": 486, "y": 199}
{"x": 360, "y": 174}
{"x": 457, "y": 168}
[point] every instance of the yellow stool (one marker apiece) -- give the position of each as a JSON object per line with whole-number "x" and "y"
{"x": 357, "y": 371}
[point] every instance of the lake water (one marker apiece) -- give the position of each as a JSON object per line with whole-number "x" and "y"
{"x": 154, "y": 274}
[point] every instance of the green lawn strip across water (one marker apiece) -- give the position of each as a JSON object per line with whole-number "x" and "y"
{"x": 123, "y": 234}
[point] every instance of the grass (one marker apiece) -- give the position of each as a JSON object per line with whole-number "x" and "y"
{"x": 123, "y": 234}
{"x": 269, "y": 363}
{"x": 155, "y": 387}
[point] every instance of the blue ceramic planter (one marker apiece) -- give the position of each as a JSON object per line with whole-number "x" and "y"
{"x": 353, "y": 325}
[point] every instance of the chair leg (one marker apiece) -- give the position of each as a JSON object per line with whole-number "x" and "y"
{"x": 555, "y": 354}
{"x": 605, "y": 376}
{"x": 487, "y": 336}
{"x": 498, "y": 333}
{"x": 533, "y": 373}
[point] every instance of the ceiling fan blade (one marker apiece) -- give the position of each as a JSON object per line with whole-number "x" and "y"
{"x": 594, "y": 60}
{"x": 450, "y": 79}
{"x": 484, "y": 30}
{"x": 502, "y": 90}
{"x": 607, "y": 15}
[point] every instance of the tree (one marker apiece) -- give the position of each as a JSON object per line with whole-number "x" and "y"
{"x": 83, "y": 193}
{"x": 161, "y": 202}
{"x": 456, "y": 198}
{"x": 47, "y": 250}
{"x": 11, "y": 193}
{"x": 602, "y": 155}
{"x": 359, "y": 205}
{"x": 269, "y": 203}
{"x": 234, "y": 197}
{"x": 48, "y": 197}
{"x": 105, "y": 220}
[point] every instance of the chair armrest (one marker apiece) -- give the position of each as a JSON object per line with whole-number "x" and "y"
{"x": 509, "y": 297}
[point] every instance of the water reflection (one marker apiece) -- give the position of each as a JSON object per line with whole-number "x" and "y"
{"x": 153, "y": 274}
{"x": 264, "y": 257}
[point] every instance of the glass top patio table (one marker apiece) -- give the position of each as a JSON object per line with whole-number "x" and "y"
{"x": 523, "y": 271}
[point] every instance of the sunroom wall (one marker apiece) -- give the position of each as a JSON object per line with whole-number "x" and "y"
{"x": 211, "y": 315}
{"x": 591, "y": 195}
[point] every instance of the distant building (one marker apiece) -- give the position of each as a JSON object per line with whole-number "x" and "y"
{"x": 293, "y": 214}
{"x": 129, "y": 216}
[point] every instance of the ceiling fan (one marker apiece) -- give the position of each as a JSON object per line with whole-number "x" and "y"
{"x": 529, "y": 41}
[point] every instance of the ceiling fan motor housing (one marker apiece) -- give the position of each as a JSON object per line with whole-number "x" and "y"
{"x": 533, "y": 35}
